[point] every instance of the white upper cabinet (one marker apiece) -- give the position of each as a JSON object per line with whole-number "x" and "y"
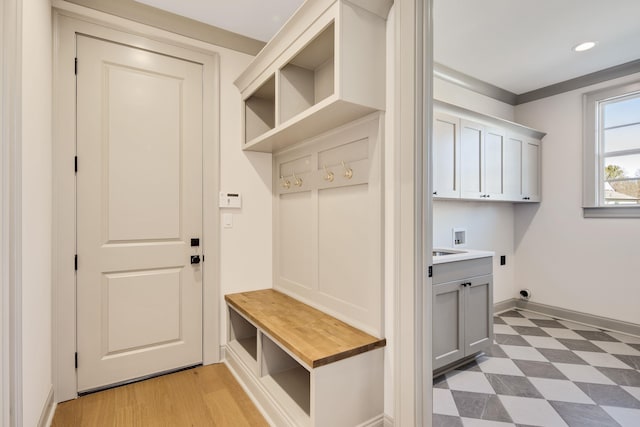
{"x": 324, "y": 68}
{"x": 446, "y": 148}
{"x": 479, "y": 157}
{"x": 531, "y": 161}
{"x": 471, "y": 158}
{"x": 513, "y": 166}
{"x": 494, "y": 164}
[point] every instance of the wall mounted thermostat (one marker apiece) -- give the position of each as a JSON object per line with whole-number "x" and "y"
{"x": 230, "y": 200}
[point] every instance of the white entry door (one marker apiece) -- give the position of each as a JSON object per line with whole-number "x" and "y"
{"x": 139, "y": 204}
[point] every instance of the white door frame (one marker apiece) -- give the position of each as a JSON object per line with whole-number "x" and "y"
{"x": 11, "y": 158}
{"x": 413, "y": 102}
{"x": 69, "y": 20}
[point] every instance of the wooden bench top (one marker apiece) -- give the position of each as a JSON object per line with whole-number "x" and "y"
{"x": 315, "y": 337}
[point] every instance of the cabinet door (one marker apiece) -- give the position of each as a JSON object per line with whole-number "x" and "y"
{"x": 448, "y": 323}
{"x": 493, "y": 165}
{"x": 471, "y": 158}
{"x": 513, "y": 168}
{"x": 531, "y": 170}
{"x": 446, "y": 146}
{"x": 478, "y": 318}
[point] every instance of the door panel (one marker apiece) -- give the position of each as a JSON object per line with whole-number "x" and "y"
{"x": 131, "y": 321}
{"x": 448, "y": 323}
{"x": 479, "y": 314}
{"x": 471, "y": 148}
{"x": 531, "y": 170}
{"x": 493, "y": 164}
{"x": 139, "y": 202}
{"x": 446, "y": 173}
{"x": 513, "y": 168}
{"x": 143, "y": 197}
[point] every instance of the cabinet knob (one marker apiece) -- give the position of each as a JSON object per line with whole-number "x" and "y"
{"x": 435, "y": 193}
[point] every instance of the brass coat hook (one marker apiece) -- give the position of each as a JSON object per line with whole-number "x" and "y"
{"x": 328, "y": 174}
{"x": 348, "y": 172}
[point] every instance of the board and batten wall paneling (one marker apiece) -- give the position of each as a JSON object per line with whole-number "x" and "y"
{"x": 328, "y": 226}
{"x": 587, "y": 265}
{"x": 343, "y": 242}
{"x": 296, "y": 263}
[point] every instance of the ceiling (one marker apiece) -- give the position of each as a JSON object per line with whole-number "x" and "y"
{"x": 522, "y": 45}
{"x": 258, "y": 19}
{"x": 516, "y": 45}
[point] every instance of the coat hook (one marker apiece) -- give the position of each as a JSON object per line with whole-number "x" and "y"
{"x": 328, "y": 174}
{"x": 297, "y": 181}
{"x": 285, "y": 183}
{"x": 348, "y": 172}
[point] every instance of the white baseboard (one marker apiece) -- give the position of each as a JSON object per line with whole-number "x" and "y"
{"x": 599, "y": 322}
{"x": 49, "y": 409}
{"x": 388, "y": 421}
{"x": 374, "y": 422}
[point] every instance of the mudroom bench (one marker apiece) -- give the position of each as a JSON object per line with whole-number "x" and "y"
{"x": 304, "y": 367}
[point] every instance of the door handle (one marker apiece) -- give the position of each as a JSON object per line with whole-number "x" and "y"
{"x": 195, "y": 259}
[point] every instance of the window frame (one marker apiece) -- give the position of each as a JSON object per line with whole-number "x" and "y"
{"x": 592, "y": 182}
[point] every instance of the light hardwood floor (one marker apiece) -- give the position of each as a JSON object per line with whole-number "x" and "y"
{"x": 203, "y": 396}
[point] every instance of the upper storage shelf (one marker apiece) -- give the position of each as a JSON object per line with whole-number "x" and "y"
{"x": 324, "y": 68}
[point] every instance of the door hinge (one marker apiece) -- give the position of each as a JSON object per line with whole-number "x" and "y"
{"x": 75, "y": 164}
{"x": 75, "y": 66}
{"x": 75, "y": 262}
{"x": 430, "y": 271}
{"x": 76, "y": 360}
{"x": 202, "y": 257}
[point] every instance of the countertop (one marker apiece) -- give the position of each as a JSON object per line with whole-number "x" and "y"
{"x": 315, "y": 337}
{"x": 460, "y": 255}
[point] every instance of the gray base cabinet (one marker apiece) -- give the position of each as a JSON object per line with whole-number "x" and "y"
{"x": 462, "y": 309}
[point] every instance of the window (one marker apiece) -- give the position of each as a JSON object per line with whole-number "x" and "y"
{"x": 612, "y": 152}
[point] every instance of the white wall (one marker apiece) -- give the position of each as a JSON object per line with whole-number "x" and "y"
{"x": 587, "y": 265}
{"x": 245, "y": 249}
{"x": 36, "y": 207}
{"x": 489, "y": 225}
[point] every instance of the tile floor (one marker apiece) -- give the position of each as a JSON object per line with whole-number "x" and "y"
{"x": 545, "y": 372}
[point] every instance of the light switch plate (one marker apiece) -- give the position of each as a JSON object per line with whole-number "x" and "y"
{"x": 227, "y": 220}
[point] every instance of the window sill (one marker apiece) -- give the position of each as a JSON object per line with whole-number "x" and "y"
{"x": 611, "y": 212}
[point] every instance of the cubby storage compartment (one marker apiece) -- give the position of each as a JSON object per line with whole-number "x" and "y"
{"x": 288, "y": 379}
{"x": 329, "y": 65}
{"x": 260, "y": 110}
{"x": 243, "y": 336}
{"x": 309, "y": 77}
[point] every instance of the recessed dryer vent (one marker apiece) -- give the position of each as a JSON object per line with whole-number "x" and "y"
{"x": 459, "y": 237}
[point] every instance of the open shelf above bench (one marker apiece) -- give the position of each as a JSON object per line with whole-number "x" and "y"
{"x": 324, "y": 68}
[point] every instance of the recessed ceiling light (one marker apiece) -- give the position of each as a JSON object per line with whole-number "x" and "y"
{"x": 584, "y": 46}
